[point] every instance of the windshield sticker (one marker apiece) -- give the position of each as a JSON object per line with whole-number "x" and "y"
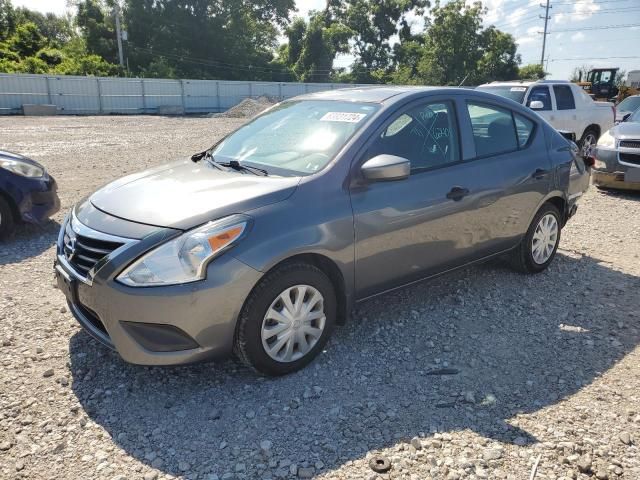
{"x": 518, "y": 89}
{"x": 348, "y": 117}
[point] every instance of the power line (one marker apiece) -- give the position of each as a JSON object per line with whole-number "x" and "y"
{"x": 590, "y": 58}
{"x": 607, "y": 27}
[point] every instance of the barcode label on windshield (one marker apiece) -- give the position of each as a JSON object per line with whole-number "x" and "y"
{"x": 518, "y": 89}
{"x": 342, "y": 117}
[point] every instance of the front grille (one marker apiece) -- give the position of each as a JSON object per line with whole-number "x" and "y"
{"x": 630, "y": 158}
{"x": 84, "y": 252}
{"x": 630, "y": 143}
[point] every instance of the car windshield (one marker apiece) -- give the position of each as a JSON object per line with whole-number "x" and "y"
{"x": 514, "y": 92}
{"x": 299, "y": 137}
{"x": 629, "y": 104}
{"x": 635, "y": 117}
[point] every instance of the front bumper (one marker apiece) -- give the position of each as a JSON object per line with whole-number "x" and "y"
{"x": 612, "y": 173}
{"x": 36, "y": 199}
{"x": 158, "y": 325}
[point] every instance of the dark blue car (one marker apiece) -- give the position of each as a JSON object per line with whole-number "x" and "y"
{"x": 27, "y": 192}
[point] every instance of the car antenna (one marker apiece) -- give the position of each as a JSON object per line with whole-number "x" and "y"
{"x": 463, "y": 80}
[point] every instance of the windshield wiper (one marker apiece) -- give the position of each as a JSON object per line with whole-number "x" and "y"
{"x": 233, "y": 164}
{"x": 236, "y": 165}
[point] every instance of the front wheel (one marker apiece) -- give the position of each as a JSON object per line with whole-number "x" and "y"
{"x": 540, "y": 244}
{"x": 286, "y": 320}
{"x": 7, "y": 223}
{"x": 588, "y": 141}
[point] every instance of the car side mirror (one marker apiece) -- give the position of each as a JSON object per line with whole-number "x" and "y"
{"x": 536, "y": 105}
{"x": 384, "y": 168}
{"x": 626, "y": 117}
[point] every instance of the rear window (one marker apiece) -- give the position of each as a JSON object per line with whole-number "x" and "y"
{"x": 515, "y": 92}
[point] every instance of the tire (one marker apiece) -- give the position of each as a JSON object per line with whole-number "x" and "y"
{"x": 265, "y": 303}
{"x": 524, "y": 258}
{"x": 7, "y": 222}
{"x": 588, "y": 140}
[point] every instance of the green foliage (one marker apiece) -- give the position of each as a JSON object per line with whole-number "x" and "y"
{"x": 238, "y": 39}
{"x": 532, "y": 71}
{"x": 373, "y": 23}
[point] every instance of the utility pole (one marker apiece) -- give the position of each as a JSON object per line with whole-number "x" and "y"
{"x": 544, "y": 35}
{"x": 119, "y": 35}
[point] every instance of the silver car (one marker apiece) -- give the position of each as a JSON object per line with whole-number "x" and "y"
{"x": 260, "y": 245}
{"x": 617, "y": 156}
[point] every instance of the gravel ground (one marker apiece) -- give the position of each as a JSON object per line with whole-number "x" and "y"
{"x": 476, "y": 375}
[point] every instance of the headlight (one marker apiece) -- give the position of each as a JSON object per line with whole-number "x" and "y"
{"x": 184, "y": 259}
{"x": 607, "y": 140}
{"x": 21, "y": 168}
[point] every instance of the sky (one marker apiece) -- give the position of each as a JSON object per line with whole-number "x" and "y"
{"x": 576, "y": 37}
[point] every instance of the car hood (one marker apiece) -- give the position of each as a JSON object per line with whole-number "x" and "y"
{"x": 626, "y": 130}
{"x": 185, "y": 194}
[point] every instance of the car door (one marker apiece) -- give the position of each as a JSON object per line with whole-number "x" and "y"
{"x": 542, "y": 94}
{"x": 411, "y": 228}
{"x": 511, "y": 177}
{"x": 566, "y": 113}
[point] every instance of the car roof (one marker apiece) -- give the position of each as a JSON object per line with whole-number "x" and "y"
{"x": 367, "y": 94}
{"x": 524, "y": 83}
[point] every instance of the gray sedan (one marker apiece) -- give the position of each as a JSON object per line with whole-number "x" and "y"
{"x": 617, "y": 156}
{"x": 263, "y": 243}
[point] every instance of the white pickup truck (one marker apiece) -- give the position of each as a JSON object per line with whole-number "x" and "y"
{"x": 563, "y": 104}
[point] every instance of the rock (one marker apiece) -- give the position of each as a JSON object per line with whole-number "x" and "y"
{"x": 469, "y": 397}
{"x": 492, "y": 454}
{"x": 520, "y": 441}
{"x": 19, "y": 465}
{"x": 584, "y": 464}
{"x": 416, "y": 443}
{"x": 183, "y": 466}
{"x": 602, "y": 474}
{"x": 48, "y": 373}
{"x": 625, "y": 437}
{"x": 265, "y": 446}
{"x": 4, "y": 446}
{"x": 305, "y": 472}
{"x": 240, "y": 467}
{"x": 150, "y": 476}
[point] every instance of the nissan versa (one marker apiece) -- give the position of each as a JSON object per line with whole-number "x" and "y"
{"x": 261, "y": 244}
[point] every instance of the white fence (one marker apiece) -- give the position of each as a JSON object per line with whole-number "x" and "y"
{"x": 109, "y": 95}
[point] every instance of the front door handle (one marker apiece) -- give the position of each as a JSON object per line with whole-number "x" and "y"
{"x": 540, "y": 173}
{"x": 457, "y": 193}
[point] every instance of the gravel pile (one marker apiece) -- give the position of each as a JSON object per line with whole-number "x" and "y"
{"x": 481, "y": 374}
{"x": 247, "y": 108}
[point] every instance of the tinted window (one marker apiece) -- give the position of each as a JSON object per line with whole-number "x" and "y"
{"x": 540, "y": 94}
{"x": 493, "y": 129}
{"x": 426, "y": 135}
{"x": 524, "y": 129}
{"x": 629, "y": 104}
{"x": 564, "y": 97}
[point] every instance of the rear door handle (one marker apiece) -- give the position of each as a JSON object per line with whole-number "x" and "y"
{"x": 540, "y": 173}
{"x": 457, "y": 193}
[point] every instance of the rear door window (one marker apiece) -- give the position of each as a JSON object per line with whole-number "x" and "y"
{"x": 540, "y": 94}
{"x": 494, "y": 130}
{"x": 564, "y": 97}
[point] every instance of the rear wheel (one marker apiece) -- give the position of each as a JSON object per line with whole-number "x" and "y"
{"x": 286, "y": 320}
{"x": 7, "y": 223}
{"x": 538, "y": 247}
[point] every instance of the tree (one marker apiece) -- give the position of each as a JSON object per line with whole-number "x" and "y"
{"x": 98, "y": 29}
{"x": 500, "y": 59}
{"x": 579, "y": 74}
{"x": 533, "y": 71}
{"x": 313, "y": 46}
{"x": 373, "y": 23}
{"x": 7, "y": 20}
{"x": 454, "y": 49}
{"x": 27, "y": 40}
